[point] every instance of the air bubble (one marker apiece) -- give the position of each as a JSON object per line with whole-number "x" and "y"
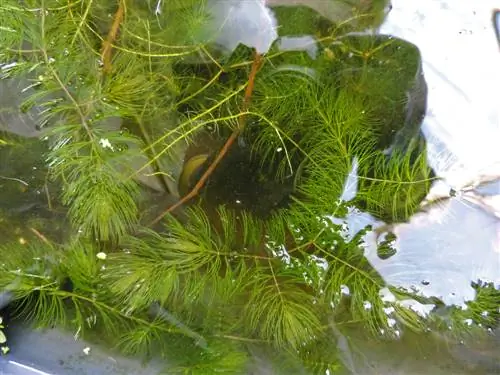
{"x": 344, "y": 289}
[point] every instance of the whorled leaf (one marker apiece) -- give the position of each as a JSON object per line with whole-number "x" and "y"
{"x": 279, "y": 308}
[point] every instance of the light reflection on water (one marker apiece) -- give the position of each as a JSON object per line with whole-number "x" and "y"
{"x": 440, "y": 252}
{"x": 458, "y": 241}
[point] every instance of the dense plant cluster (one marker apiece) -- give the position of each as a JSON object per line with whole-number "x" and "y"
{"x": 137, "y": 103}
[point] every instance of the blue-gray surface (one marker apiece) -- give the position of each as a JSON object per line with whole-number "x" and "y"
{"x": 57, "y": 353}
{"x": 461, "y": 65}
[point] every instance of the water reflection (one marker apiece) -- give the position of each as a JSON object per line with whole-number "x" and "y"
{"x": 496, "y": 24}
{"x": 454, "y": 241}
{"x": 461, "y": 153}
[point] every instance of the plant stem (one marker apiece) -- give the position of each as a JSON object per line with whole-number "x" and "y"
{"x": 40, "y": 236}
{"x": 257, "y": 62}
{"x": 113, "y": 32}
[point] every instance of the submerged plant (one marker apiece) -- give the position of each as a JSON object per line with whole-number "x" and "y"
{"x": 4, "y": 349}
{"x": 246, "y": 150}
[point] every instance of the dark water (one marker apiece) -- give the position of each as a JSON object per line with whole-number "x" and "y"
{"x": 27, "y": 212}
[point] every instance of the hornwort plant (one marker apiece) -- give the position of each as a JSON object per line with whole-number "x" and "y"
{"x": 202, "y": 184}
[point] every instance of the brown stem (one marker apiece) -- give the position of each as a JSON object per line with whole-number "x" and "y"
{"x": 107, "y": 44}
{"x": 232, "y": 138}
{"x": 40, "y": 236}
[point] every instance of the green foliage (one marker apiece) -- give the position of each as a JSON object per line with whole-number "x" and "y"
{"x": 215, "y": 281}
{"x": 301, "y": 20}
{"x": 286, "y": 313}
{"x": 327, "y": 122}
{"x": 348, "y": 279}
{"x": 320, "y": 357}
{"x": 394, "y": 189}
{"x": 482, "y": 311}
{"x": 80, "y": 104}
{"x": 54, "y": 286}
{"x": 317, "y": 357}
{"x": 183, "y": 254}
{"x": 328, "y": 18}
{"x": 224, "y": 357}
{"x": 101, "y": 196}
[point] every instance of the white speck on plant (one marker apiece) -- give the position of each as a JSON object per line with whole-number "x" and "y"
{"x": 389, "y": 310}
{"x": 291, "y": 260}
{"x": 344, "y": 289}
{"x": 101, "y": 255}
{"x": 105, "y": 143}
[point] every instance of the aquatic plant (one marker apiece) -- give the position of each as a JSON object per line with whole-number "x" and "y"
{"x": 246, "y": 251}
{"x": 4, "y": 349}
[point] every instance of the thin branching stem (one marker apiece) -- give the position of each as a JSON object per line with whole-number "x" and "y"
{"x": 244, "y": 339}
{"x": 113, "y": 32}
{"x": 40, "y": 236}
{"x": 60, "y": 82}
{"x": 257, "y": 63}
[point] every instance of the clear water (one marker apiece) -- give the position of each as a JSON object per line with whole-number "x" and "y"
{"x": 440, "y": 251}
